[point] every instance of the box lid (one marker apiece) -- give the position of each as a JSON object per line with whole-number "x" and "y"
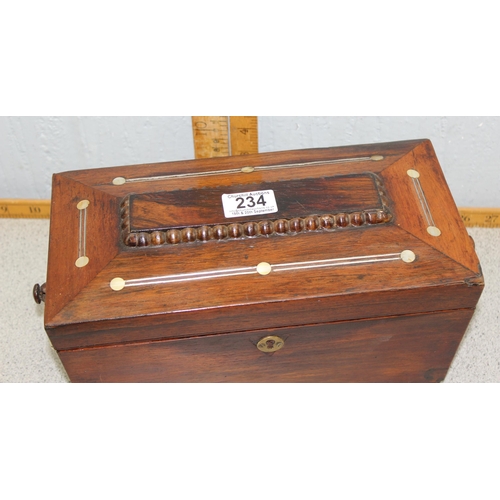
{"x": 199, "y": 247}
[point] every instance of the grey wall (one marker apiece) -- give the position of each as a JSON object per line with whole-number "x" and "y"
{"x": 33, "y": 148}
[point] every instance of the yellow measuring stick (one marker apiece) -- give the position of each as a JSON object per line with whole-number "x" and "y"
{"x": 480, "y": 217}
{"x": 211, "y": 136}
{"x": 244, "y": 135}
{"x": 24, "y": 209}
{"x": 224, "y": 135}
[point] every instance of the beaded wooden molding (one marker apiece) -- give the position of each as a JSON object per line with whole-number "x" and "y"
{"x": 251, "y": 229}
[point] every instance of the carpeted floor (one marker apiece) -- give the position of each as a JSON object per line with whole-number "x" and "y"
{"x": 27, "y": 356}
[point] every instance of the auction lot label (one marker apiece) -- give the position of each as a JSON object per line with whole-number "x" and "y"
{"x": 251, "y": 203}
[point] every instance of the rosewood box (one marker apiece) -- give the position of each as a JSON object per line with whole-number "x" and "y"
{"x": 347, "y": 264}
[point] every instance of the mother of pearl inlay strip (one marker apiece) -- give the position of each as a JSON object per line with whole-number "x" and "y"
{"x": 263, "y": 269}
{"x": 82, "y": 259}
{"x": 431, "y": 226}
{"x": 118, "y": 181}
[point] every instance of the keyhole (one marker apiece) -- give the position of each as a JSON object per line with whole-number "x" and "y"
{"x": 270, "y": 343}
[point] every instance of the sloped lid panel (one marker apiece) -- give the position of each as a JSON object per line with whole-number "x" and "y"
{"x": 424, "y": 206}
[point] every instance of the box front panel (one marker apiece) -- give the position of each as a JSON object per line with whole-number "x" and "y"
{"x": 415, "y": 348}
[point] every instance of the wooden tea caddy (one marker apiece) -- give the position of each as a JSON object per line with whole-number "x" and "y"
{"x": 347, "y": 264}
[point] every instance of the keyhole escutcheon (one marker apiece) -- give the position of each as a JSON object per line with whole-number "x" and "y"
{"x": 270, "y": 344}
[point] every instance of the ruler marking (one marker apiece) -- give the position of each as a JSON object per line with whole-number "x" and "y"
{"x": 229, "y": 142}
{"x": 480, "y": 217}
{"x": 211, "y": 136}
{"x": 24, "y": 209}
{"x": 244, "y": 135}
{"x": 216, "y": 136}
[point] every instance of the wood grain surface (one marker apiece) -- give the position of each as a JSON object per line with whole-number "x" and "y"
{"x": 177, "y": 289}
{"x": 455, "y": 241}
{"x": 295, "y": 198}
{"x": 402, "y": 349}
